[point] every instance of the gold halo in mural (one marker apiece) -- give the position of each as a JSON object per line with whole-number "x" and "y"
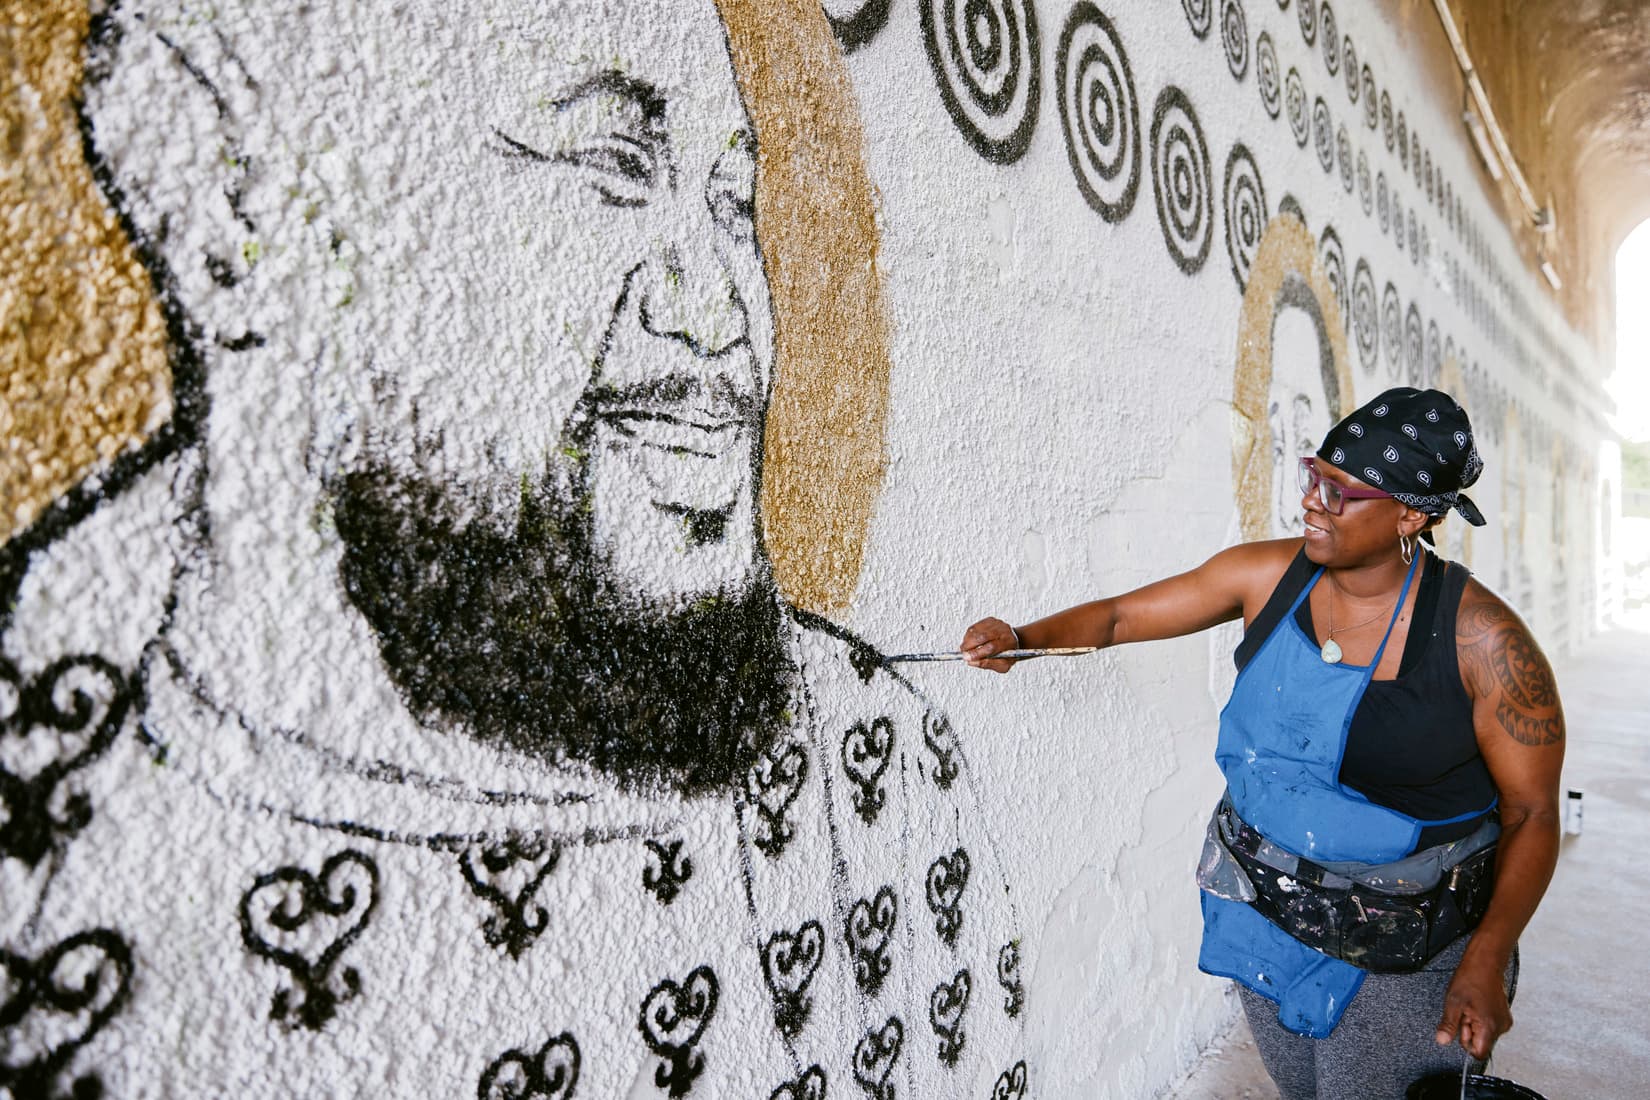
{"x": 83, "y": 348}
{"x": 1287, "y": 260}
{"x": 824, "y": 457}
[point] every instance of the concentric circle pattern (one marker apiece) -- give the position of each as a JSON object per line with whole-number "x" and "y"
{"x": 1181, "y": 181}
{"x": 1199, "y": 13}
{"x": 1392, "y": 330}
{"x": 1267, "y": 76}
{"x": 1366, "y": 320}
{"x": 986, "y": 59}
{"x": 1234, "y": 36}
{"x": 1244, "y": 200}
{"x": 1099, "y": 113}
{"x": 1294, "y": 101}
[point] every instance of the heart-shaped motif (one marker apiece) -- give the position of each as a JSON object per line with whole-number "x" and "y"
{"x": 946, "y": 1006}
{"x": 52, "y": 1006}
{"x": 551, "y": 1073}
{"x": 788, "y": 964}
{"x": 866, "y": 751}
{"x": 773, "y": 783}
{"x": 810, "y": 1086}
{"x": 947, "y": 876}
{"x": 667, "y": 869}
{"x": 942, "y": 742}
{"x": 1008, "y": 976}
{"x": 1011, "y": 1085}
{"x": 875, "y": 1056}
{"x": 506, "y": 875}
{"x": 304, "y": 922}
{"x": 869, "y": 930}
{"x": 50, "y": 728}
{"x": 673, "y": 1019}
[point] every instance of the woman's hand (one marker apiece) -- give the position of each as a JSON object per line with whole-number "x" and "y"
{"x": 1475, "y": 1008}
{"x": 986, "y": 637}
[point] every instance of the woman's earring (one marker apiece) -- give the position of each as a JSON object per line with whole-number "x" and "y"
{"x": 1406, "y": 548}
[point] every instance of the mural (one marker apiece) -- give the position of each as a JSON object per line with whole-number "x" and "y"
{"x": 437, "y": 436}
{"x": 463, "y": 619}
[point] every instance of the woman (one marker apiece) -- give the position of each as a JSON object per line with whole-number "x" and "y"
{"x": 1391, "y": 816}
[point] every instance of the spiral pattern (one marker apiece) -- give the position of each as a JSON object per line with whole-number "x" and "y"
{"x": 986, "y": 58}
{"x": 1323, "y": 134}
{"x": 1392, "y": 330}
{"x": 1328, "y": 40}
{"x": 1333, "y": 257}
{"x": 1199, "y": 13}
{"x": 1366, "y": 193}
{"x": 1099, "y": 113}
{"x": 1372, "y": 108}
{"x": 1386, "y": 120}
{"x": 1267, "y": 76}
{"x": 1397, "y": 219}
{"x": 1294, "y": 100}
{"x": 1307, "y": 12}
{"x": 1343, "y": 157}
{"x": 1366, "y": 321}
{"x": 1414, "y": 241}
{"x": 1403, "y": 142}
{"x": 1383, "y": 208}
{"x": 1180, "y": 180}
{"x": 1244, "y": 199}
{"x": 1413, "y": 337}
{"x": 1234, "y": 35}
{"x": 1349, "y": 59}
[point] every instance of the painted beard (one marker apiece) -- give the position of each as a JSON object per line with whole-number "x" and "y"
{"x": 526, "y": 639}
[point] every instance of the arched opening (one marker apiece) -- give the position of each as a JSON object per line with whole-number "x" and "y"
{"x": 1630, "y": 386}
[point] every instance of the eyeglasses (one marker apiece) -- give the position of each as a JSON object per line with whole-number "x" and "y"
{"x": 1332, "y": 494}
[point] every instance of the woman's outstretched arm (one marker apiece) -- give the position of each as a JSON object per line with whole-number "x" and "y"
{"x": 1233, "y": 583}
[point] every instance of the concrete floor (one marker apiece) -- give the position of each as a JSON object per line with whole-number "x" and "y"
{"x": 1582, "y": 1012}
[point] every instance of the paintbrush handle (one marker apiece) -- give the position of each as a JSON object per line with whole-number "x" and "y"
{"x": 1005, "y": 655}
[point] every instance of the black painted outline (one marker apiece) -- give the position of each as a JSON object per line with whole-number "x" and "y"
{"x": 947, "y": 1005}
{"x": 36, "y": 983}
{"x": 857, "y": 30}
{"x": 944, "y": 884}
{"x": 672, "y": 1020}
{"x": 1268, "y": 78}
{"x": 549, "y": 1073}
{"x": 789, "y": 962}
{"x": 1366, "y": 316}
{"x": 1234, "y": 38}
{"x": 516, "y": 921}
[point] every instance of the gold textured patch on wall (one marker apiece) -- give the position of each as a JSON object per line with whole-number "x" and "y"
{"x": 82, "y": 343}
{"x": 824, "y": 455}
{"x": 1287, "y": 252}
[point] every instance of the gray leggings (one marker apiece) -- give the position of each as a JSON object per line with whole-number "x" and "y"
{"x": 1381, "y": 1046}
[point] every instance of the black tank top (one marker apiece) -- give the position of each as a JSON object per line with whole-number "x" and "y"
{"x": 1411, "y": 746}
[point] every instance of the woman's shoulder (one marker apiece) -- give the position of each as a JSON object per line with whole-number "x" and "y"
{"x": 1490, "y": 638}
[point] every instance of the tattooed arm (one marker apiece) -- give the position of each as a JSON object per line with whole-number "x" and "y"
{"x": 1520, "y": 729}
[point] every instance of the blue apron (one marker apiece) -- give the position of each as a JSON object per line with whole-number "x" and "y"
{"x": 1282, "y": 736}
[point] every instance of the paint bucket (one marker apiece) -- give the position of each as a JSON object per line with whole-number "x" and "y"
{"x": 1450, "y": 1085}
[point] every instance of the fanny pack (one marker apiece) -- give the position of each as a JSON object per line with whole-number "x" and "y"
{"x": 1385, "y": 918}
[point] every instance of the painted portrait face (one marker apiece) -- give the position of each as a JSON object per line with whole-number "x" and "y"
{"x": 1297, "y": 410}
{"x": 491, "y": 289}
{"x": 600, "y": 320}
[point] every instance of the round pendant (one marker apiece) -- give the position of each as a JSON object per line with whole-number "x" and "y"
{"x": 1331, "y": 652}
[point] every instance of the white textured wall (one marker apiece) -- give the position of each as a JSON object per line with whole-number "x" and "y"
{"x": 312, "y": 627}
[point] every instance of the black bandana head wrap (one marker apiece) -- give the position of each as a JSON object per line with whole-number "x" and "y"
{"x": 1416, "y": 445}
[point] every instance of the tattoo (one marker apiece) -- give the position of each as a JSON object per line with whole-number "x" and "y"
{"x": 1528, "y": 729}
{"x": 1499, "y": 658}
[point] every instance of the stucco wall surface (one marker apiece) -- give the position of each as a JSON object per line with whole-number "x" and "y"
{"x": 466, "y": 463}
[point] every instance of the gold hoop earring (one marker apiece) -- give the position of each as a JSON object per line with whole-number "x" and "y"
{"x": 1406, "y": 548}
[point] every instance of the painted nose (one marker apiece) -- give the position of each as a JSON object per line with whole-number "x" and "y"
{"x": 689, "y": 295}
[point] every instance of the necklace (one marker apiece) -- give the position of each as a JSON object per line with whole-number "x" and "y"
{"x": 1331, "y": 651}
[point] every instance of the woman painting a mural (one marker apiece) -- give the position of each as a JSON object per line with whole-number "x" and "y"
{"x": 1391, "y": 749}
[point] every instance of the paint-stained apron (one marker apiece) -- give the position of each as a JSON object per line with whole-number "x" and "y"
{"x": 1282, "y": 736}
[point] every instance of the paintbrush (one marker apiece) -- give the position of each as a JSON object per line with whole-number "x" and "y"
{"x": 1005, "y": 655}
